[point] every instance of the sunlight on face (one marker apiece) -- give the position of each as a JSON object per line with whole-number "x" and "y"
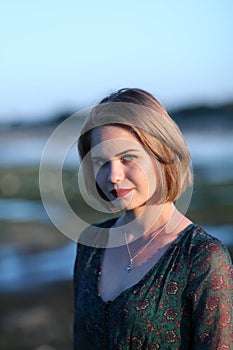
{"x": 123, "y": 169}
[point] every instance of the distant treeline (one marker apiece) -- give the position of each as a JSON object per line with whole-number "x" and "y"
{"x": 206, "y": 117}
{"x": 218, "y": 117}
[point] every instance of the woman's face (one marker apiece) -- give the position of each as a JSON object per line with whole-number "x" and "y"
{"x": 123, "y": 169}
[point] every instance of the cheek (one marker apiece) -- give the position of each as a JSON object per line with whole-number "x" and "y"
{"x": 147, "y": 172}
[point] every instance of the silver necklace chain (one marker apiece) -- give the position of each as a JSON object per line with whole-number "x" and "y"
{"x": 132, "y": 258}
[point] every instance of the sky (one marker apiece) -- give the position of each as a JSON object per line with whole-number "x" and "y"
{"x": 66, "y": 55}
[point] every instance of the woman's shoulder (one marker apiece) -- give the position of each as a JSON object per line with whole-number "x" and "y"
{"x": 199, "y": 236}
{"x": 200, "y": 244}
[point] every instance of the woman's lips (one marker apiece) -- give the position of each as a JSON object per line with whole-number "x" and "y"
{"x": 120, "y": 192}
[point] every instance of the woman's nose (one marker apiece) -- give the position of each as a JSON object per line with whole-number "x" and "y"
{"x": 116, "y": 171}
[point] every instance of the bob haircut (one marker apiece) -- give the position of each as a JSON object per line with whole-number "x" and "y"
{"x": 142, "y": 115}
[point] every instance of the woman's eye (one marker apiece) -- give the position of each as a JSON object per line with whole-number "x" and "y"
{"x": 128, "y": 157}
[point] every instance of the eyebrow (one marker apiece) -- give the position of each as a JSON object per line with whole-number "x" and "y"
{"x": 118, "y": 154}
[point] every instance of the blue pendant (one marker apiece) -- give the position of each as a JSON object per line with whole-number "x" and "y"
{"x": 129, "y": 267}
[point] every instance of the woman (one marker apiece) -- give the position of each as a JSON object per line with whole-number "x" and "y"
{"x": 148, "y": 278}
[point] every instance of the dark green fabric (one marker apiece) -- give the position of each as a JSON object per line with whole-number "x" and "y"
{"x": 183, "y": 302}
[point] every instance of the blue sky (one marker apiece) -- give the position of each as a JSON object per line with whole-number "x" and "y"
{"x": 58, "y": 55}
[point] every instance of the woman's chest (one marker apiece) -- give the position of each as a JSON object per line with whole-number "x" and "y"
{"x": 152, "y": 310}
{"x": 115, "y": 277}
{"x": 162, "y": 270}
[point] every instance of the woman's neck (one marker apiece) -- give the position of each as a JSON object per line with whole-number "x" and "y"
{"x": 163, "y": 218}
{"x": 149, "y": 220}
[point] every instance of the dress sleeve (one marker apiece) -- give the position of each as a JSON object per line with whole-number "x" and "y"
{"x": 211, "y": 293}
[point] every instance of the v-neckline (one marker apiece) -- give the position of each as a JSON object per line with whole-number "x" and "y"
{"x": 137, "y": 284}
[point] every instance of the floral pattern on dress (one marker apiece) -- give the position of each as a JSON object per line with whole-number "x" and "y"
{"x": 184, "y": 302}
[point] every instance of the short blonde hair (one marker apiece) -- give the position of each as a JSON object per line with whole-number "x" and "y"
{"x": 142, "y": 115}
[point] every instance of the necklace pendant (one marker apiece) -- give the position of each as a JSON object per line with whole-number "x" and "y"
{"x": 129, "y": 267}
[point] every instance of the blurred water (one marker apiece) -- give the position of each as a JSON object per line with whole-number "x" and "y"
{"x": 27, "y": 150}
{"x": 22, "y": 210}
{"x": 213, "y": 153}
{"x": 28, "y": 271}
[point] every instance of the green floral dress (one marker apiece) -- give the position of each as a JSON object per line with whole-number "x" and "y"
{"x": 183, "y": 302}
